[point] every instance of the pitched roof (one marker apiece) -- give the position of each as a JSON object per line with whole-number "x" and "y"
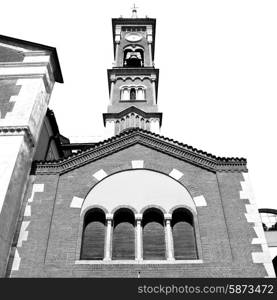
{"x": 154, "y": 141}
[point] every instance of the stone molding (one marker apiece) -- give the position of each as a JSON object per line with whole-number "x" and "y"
{"x": 31, "y": 49}
{"x": 138, "y": 136}
{"x": 18, "y": 130}
{"x": 132, "y": 109}
{"x": 20, "y": 70}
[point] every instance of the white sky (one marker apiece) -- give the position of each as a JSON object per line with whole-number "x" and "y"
{"x": 218, "y": 71}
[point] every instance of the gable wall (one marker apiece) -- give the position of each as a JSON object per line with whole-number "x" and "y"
{"x": 52, "y": 241}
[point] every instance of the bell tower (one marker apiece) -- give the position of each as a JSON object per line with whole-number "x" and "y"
{"x": 133, "y": 80}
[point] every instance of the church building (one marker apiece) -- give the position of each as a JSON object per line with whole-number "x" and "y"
{"x": 137, "y": 204}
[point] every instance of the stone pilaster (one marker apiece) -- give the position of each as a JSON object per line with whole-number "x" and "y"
{"x": 19, "y": 133}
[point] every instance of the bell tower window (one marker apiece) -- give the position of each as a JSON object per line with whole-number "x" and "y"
{"x": 125, "y": 94}
{"x": 133, "y": 58}
{"x": 140, "y": 94}
{"x": 133, "y": 94}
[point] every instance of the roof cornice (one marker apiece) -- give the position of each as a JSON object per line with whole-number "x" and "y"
{"x": 53, "y": 53}
{"x": 134, "y": 136}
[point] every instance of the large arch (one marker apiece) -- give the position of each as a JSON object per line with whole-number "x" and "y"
{"x": 138, "y": 189}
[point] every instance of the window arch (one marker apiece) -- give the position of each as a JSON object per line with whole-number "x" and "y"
{"x": 124, "y": 93}
{"x": 123, "y": 245}
{"x": 183, "y": 234}
{"x": 133, "y": 57}
{"x": 153, "y": 234}
{"x": 140, "y": 93}
{"x": 132, "y": 93}
{"x": 93, "y": 238}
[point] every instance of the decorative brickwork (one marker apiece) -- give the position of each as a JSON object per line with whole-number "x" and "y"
{"x": 224, "y": 246}
{"x": 154, "y": 141}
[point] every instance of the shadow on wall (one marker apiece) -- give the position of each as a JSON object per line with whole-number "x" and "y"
{"x": 274, "y": 261}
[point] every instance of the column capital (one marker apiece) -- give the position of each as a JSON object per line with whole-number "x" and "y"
{"x": 167, "y": 217}
{"x": 113, "y": 78}
{"x": 109, "y": 217}
{"x": 138, "y": 217}
{"x": 149, "y": 38}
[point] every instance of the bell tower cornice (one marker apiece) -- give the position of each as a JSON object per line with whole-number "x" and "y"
{"x": 132, "y": 74}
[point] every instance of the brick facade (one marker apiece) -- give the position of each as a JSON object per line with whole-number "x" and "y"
{"x": 52, "y": 242}
{"x": 41, "y": 221}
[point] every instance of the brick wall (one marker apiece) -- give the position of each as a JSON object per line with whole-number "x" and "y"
{"x": 224, "y": 234}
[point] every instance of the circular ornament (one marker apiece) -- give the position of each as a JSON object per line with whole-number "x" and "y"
{"x": 133, "y": 37}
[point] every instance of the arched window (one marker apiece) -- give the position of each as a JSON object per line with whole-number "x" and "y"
{"x": 140, "y": 94}
{"x": 93, "y": 239}
{"x": 183, "y": 234}
{"x": 133, "y": 94}
{"x": 124, "y": 94}
{"x": 133, "y": 58}
{"x": 153, "y": 234}
{"x": 123, "y": 246}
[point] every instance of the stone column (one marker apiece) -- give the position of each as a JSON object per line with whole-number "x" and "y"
{"x": 153, "y": 80}
{"x": 112, "y": 88}
{"x": 168, "y": 237}
{"x": 138, "y": 237}
{"x": 108, "y": 241}
{"x": 116, "y": 53}
{"x": 150, "y": 54}
{"x": 150, "y": 40}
